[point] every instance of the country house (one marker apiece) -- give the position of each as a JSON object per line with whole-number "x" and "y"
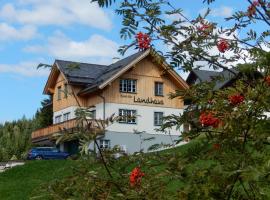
{"x": 136, "y": 86}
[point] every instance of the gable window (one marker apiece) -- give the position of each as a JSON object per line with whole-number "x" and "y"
{"x": 127, "y": 116}
{"x": 158, "y": 89}
{"x": 128, "y": 85}
{"x": 158, "y": 118}
{"x": 66, "y": 90}
{"x": 58, "y": 119}
{"x": 66, "y": 116}
{"x": 104, "y": 144}
{"x": 59, "y": 93}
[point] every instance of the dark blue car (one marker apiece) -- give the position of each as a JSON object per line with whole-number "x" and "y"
{"x": 39, "y": 153}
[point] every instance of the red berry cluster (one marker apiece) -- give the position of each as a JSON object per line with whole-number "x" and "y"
{"x": 236, "y": 99}
{"x": 223, "y": 45}
{"x": 205, "y": 29}
{"x": 267, "y": 80}
{"x": 208, "y": 119}
{"x": 252, "y": 8}
{"x": 135, "y": 177}
{"x": 216, "y": 146}
{"x": 143, "y": 41}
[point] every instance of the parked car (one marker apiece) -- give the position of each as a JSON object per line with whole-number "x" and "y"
{"x": 39, "y": 153}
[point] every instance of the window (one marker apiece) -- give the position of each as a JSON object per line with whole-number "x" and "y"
{"x": 58, "y": 119}
{"x": 158, "y": 89}
{"x": 66, "y": 90}
{"x": 128, "y": 85}
{"x": 127, "y": 116}
{"x": 158, "y": 118}
{"x": 66, "y": 116}
{"x": 104, "y": 144}
{"x": 93, "y": 114}
{"x": 59, "y": 93}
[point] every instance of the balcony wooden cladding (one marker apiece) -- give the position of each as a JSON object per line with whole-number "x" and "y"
{"x": 45, "y": 132}
{"x": 68, "y": 125}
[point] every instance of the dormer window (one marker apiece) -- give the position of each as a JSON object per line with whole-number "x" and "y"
{"x": 59, "y": 93}
{"x": 128, "y": 85}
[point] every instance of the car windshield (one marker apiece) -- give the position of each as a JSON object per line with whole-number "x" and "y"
{"x": 54, "y": 150}
{"x": 46, "y": 149}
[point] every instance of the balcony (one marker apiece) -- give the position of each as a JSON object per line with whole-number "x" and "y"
{"x": 45, "y": 133}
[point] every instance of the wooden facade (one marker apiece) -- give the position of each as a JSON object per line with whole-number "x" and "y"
{"x": 70, "y": 99}
{"x": 145, "y": 72}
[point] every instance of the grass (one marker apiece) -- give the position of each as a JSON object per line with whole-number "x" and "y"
{"x": 20, "y": 182}
{"x": 34, "y": 177}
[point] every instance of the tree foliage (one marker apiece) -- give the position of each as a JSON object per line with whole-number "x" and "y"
{"x": 15, "y": 136}
{"x": 232, "y": 159}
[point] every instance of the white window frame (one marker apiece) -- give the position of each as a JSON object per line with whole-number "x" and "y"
{"x": 66, "y": 116}
{"x": 157, "y": 120}
{"x": 104, "y": 144}
{"x": 58, "y": 119}
{"x": 159, "y": 87}
{"x": 126, "y": 114}
{"x": 128, "y": 85}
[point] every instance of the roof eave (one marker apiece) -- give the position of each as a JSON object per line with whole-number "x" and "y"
{"x": 46, "y": 88}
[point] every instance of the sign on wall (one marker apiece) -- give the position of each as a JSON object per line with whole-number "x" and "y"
{"x": 148, "y": 100}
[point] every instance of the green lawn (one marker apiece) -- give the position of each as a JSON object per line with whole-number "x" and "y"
{"x": 20, "y": 182}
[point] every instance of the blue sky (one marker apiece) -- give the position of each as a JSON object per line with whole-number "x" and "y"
{"x": 38, "y": 31}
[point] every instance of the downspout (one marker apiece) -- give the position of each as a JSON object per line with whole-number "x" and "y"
{"x": 104, "y": 113}
{"x": 104, "y": 105}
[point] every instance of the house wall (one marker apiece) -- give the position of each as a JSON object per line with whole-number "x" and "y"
{"x": 70, "y": 109}
{"x": 70, "y": 100}
{"x": 146, "y": 73}
{"x": 144, "y": 121}
{"x": 131, "y": 143}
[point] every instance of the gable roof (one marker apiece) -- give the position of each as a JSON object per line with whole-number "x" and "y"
{"x": 87, "y": 73}
{"x": 225, "y": 76}
{"x": 94, "y": 77}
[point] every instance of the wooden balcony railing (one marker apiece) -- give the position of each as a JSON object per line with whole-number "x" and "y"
{"x": 55, "y": 128}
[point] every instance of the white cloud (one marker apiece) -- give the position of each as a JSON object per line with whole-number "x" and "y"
{"x": 8, "y": 32}
{"x": 24, "y": 68}
{"x": 223, "y": 11}
{"x": 61, "y": 47}
{"x": 56, "y": 12}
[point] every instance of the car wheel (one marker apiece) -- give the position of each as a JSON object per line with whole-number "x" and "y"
{"x": 39, "y": 158}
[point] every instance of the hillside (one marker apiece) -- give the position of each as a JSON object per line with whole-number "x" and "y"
{"x": 20, "y": 182}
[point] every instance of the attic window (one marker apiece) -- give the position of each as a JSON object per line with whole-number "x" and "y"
{"x": 66, "y": 90}
{"x": 128, "y": 85}
{"x": 158, "y": 89}
{"x": 59, "y": 93}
